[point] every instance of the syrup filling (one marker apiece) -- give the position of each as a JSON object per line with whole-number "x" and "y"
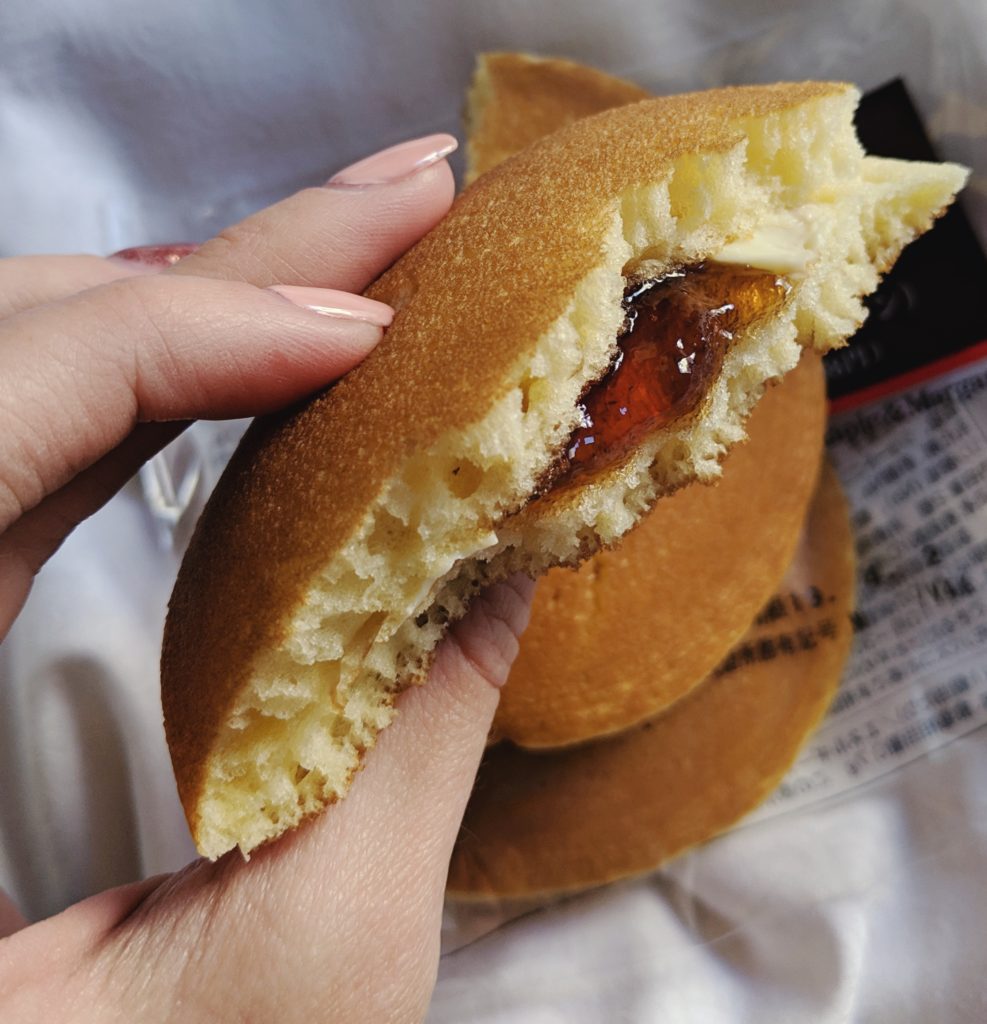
{"x": 676, "y": 333}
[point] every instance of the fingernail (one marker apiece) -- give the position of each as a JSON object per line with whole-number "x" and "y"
{"x": 329, "y": 302}
{"x": 398, "y": 162}
{"x": 165, "y": 255}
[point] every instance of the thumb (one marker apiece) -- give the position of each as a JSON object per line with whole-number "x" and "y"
{"x": 345, "y": 912}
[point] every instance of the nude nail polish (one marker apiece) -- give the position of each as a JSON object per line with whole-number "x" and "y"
{"x": 400, "y": 161}
{"x": 329, "y": 302}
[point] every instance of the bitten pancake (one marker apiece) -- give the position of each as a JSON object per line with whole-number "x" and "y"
{"x": 509, "y": 420}
{"x": 541, "y": 823}
{"x": 561, "y": 690}
{"x": 684, "y": 554}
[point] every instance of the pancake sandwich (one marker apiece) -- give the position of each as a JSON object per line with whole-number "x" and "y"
{"x": 586, "y": 331}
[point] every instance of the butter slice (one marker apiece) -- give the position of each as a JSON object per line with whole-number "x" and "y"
{"x": 777, "y": 244}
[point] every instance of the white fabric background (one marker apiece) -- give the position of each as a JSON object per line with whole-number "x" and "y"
{"x": 123, "y": 122}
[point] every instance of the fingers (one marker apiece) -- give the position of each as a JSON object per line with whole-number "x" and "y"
{"x": 28, "y": 281}
{"x": 153, "y": 348}
{"x": 344, "y": 234}
{"x": 344, "y": 912}
{"x": 91, "y": 347}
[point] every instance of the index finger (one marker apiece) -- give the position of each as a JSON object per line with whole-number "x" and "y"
{"x": 343, "y": 234}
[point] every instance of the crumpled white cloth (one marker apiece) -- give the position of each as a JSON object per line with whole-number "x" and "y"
{"x": 868, "y": 908}
{"x": 127, "y": 123}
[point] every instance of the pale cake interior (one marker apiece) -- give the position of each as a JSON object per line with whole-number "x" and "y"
{"x": 797, "y": 197}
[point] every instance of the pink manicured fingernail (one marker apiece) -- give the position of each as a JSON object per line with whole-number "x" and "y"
{"x": 398, "y": 162}
{"x": 329, "y": 302}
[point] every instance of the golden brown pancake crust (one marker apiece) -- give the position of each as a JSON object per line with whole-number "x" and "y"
{"x": 472, "y": 297}
{"x": 540, "y": 823}
{"x": 687, "y": 581}
{"x": 516, "y": 99}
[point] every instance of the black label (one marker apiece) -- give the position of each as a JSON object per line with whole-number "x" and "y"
{"x": 933, "y": 301}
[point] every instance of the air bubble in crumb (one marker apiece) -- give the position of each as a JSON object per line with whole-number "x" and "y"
{"x": 465, "y": 478}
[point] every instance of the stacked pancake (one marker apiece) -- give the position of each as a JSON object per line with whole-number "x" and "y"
{"x": 663, "y": 688}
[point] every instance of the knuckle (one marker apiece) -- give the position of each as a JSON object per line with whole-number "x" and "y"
{"x": 133, "y": 303}
{"x": 241, "y": 238}
{"x": 289, "y": 243}
{"x": 255, "y": 250}
{"x": 139, "y": 315}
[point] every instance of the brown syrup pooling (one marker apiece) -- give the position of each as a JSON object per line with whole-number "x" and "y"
{"x": 676, "y": 334}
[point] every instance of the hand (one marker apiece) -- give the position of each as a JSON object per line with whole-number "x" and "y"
{"x": 102, "y": 363}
